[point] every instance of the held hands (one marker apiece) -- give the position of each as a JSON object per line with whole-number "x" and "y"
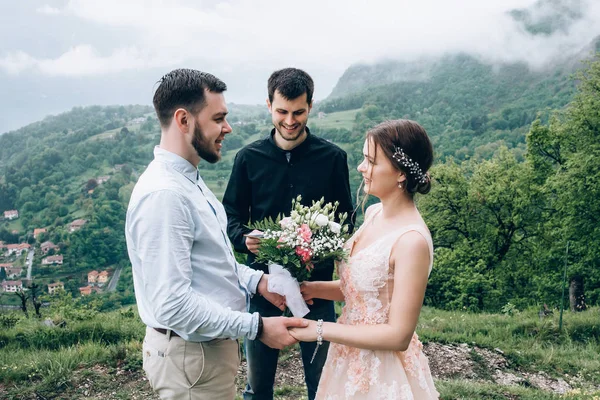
{"x": 280, "y": 332}
{"x": 276, "y": 331}
{"x": 305, "y": 334}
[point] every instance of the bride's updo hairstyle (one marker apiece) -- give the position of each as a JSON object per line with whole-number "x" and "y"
{"x": 406, "y": 144}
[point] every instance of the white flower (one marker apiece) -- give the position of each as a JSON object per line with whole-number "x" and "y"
{"x": 335, "y": 227}
{"x": 321, "y": 220}
{"x": 286, "y": 222}
{"x": 295, "y": 216}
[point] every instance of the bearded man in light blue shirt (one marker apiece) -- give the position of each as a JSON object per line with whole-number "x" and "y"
{"x": 190, "y": 291}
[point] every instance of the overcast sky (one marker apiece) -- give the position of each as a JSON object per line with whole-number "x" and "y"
{"x": 56, "y": 54}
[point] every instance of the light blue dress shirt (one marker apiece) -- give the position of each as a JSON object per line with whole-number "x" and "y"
{"x": 185, "y": 275}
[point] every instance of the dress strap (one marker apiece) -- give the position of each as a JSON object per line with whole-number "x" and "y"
{"x": 377, "y": 208}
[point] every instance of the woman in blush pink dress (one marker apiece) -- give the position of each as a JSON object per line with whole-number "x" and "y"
{"x": 375, "y": 352}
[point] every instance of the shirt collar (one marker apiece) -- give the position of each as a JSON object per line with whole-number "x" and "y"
{"x": 178, "y": 163}
{"x": 301, "y": 148}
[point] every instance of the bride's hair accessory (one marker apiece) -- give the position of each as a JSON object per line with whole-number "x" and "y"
{"x": 414, "y": 169}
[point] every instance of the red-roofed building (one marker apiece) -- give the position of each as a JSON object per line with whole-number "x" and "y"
{"x": 85, "y": 291}
{"x": 103, "y": 277}
{"x": 47, "y": 246}
{"x": 17, "y": 249}
{"x": 11, "y": 214}
{"x": 77, "y": 224}
{"x": 38, "y": 231}
{"x": 13, "y": 272}
{"x": 53, "y": 260}
{"x": 53, "y": 287}
{"x": 12, "y": 286}
{"x": 93, "y": 277}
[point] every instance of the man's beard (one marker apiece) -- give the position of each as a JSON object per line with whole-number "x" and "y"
{"x": 203, "y": 146}
{"x": 288, "y": 137}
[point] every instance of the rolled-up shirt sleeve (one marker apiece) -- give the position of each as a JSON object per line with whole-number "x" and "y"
{"x": 249, "y": 278}
{"x": 163, "y": 241}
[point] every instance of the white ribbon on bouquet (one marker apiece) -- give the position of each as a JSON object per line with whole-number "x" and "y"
{"x": 283, "y": 283}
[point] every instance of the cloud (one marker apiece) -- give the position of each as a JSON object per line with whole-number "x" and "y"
{"x": 83, "y": 60}
{"x": 316, "y": 35}
{"x": 16, "y": 62}
{"x": 46, "y": 9}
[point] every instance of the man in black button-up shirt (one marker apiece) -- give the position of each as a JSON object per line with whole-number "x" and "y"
{"x": 266, "y": 176}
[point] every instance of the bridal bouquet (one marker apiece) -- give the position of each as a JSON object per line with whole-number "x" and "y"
{"x": 291, "y": 246}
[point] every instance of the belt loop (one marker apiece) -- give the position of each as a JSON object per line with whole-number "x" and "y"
{"x": 169, "y": 334}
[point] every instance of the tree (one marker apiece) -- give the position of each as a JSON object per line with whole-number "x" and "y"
{"x": 23, "y": 296}
{"x": 566, "y": 154}
{"x": 91, "y": 184}
{"x": 34, "y": 290}
{"x": 2, "y": 274}
{"x": 483, "y": 217}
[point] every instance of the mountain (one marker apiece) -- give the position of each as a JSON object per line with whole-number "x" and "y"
{"x": 547, "y": 17}
{"x": 468, "y": 106}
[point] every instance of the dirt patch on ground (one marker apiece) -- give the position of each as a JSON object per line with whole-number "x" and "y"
{"x": 472, "y": 362}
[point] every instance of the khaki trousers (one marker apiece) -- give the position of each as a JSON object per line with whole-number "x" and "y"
{"x": 177, "y": 369}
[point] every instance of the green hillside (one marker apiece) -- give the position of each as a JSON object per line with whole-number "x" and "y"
{"x": 478, "y": 117}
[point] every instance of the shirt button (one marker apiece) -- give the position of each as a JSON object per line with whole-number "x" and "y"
{"x": 291, "y": 185}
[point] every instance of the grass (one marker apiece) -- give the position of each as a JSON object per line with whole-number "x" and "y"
{"x": 105, "y": 135}
{"x": 527, "y": 341}
{"x": 14, "y": 224}
{"x": 109, "y": 134}
{"x": 341, "y": 119}
{"x": 35, "y": 358}
{"x": 467, "y": 389}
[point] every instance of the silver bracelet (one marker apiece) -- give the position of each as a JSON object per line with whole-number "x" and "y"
{"x": 319, "y": 338}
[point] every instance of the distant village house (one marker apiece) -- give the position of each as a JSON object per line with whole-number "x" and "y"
{"x": 76, "y": 225}
{"x": 103, "y": 277}
{"x": 17, "y": 249}
{"x": 53, "y": 287}
{"x": 38, "y": 231}
{"x": 85, "y": 291}
{"x": 101, "y": 179}
{"x": 11, "y": 272}
{"x": 53, "y": 260}
{"x": 93, "y": 277}
{"x": 12, "y": 286}
{"x": 11, "y": 214}
{"x": 47, "y": 246}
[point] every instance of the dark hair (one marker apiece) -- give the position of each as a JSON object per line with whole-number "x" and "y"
{"x": 412, "y": 139}
{"x": 291, "y": 83}
{"x": 184, "y": 88}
